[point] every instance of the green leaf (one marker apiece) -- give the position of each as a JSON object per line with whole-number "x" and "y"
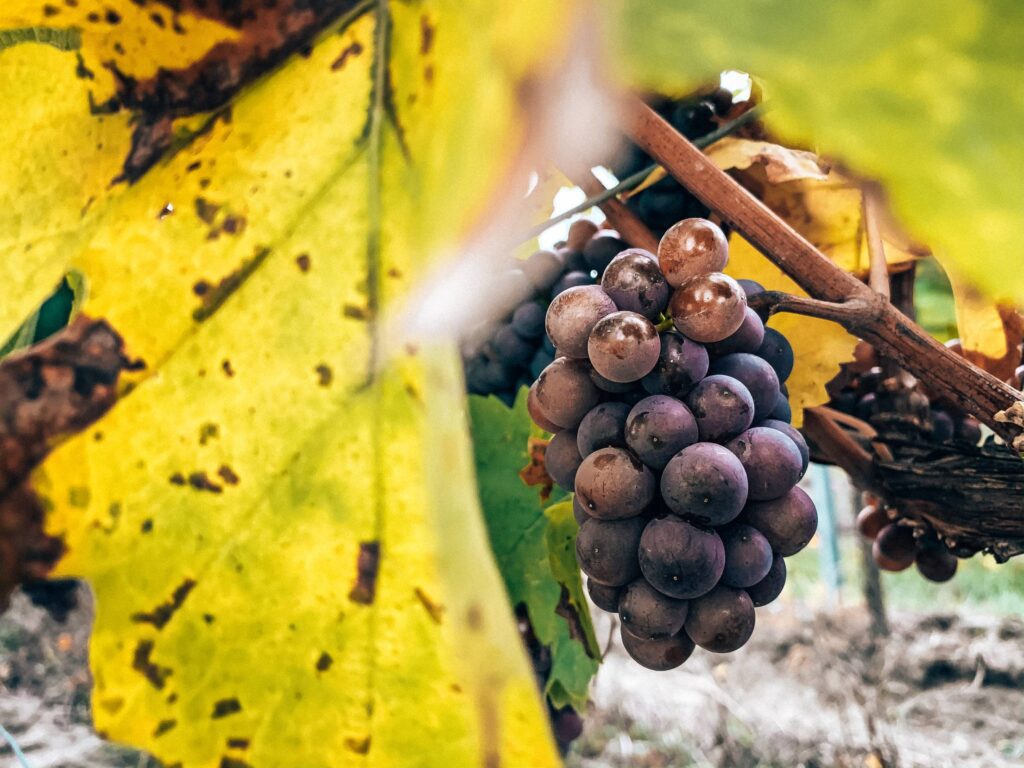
{"x": 923, "y": 96}
{"x": 534, "y": 546}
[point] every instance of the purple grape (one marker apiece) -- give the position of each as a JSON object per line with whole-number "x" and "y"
{"x": 777, "y": 352}
{"x": 942, "y": 426}
{"x": 528, "y": 320}
{"x": 623, "y": 346}
{"x": 755, "y": 374}
{"x": 574, "y": 279}
{"x": 612, "y": 483}
{"x": 722, "y": 407}
{"x": 770, "y": 587}
{"x": 601, "y": 249}
{"x": 771, "y": 459}
{"x": 746, "y": 338}
{"x": 682, "y": 363}
{"x": 536, "y": 414}
{"x": 562, "y": 459}
{"x": 578, "y": 511}
{"x": 705, "y": 481}
{"x": 542, "y": 269}
{"x": 782, "y": 410}
{"x": 635, "y": 283}
{"x": 659, "y": 655}
{"x": 658, "y": 427}
{"x": 604, "y": 426}
{"x": 604, "y": 597}
{"x": 648, "y": 613}
{"x": 680, "y": 559}
{"x": 485, "y": 376}
{"x": 573, "y": 314}
{"x": 793, "y": 434}
{"x": 541, "y": 360}
{"x": 574, "y": 261}
{"x": 935, "y": 563}
{"x": 612, "y": 387}
{"x": 511, "y": 348}
{"x": 565, "y": 392}
{"x": 788, "y": 522}
{"x": 607, "y": 550}
{"x": 748, "y": 555}
{"x": 722, "y": 620}
{"x": 751, "y": 287}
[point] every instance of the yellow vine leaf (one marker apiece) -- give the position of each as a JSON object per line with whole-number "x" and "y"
{"x": 819, "y": 346}
{"x": 821, "y": 203}
{"x": 990, "y": 333}
{"x": 266, "y": 515}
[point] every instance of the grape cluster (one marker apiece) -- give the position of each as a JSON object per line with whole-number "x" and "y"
{"x": 665, "y": 202}
{"x": 862, "y": 390}
{"x": 671, "y": 425}
{"x": 514, "y": 352}
{"x": 896, "y": 547}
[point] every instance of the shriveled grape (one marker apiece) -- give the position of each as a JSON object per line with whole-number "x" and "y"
{"x": 607, "y": 550}
{"x": 721, "y": 621}
{"x": 680, "y": 559}
{"x": 624, "y": 346}
{"x": 692, "y": 247}
{"x": 706, "y": 482}
{"x": 708, "y": 307}
{"x": 572, "y": 315}
{"x": 612, "y": 483}
{"x": 788, "y": 522}
{"x": 646, "y": 612}
{"x": 722, "y": 407}
{"x": 658, "y": 427}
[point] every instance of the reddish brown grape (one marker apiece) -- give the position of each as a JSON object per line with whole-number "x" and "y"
{"x": 659, "y": 655}
{"x": 604, "y": 597}
{"x": 635, "y": 283}
{"x": 580, "y": 232}
{"x": 708, "y": 308}
{"x": 680, "y": 559}
{"x": 871, "y": 520}
{"x": 770, "y": 587}
{"x": 646, "y": 612}
{"x": 894, "y": 548}
{"x": 607, "y": 550}
{"x": 705, "y": 481}
{"x": 573, "y": 314}
{"x": 562, "y": 459}
{"x": 788, "y": 522}
{"x": 692, "y": 247}
{"x": 935, "y": 563}
{"x": 624, "y": 346}
{"x": 612, "y": 483}
{"x": 772, "y": 461}
{"x": 565, "y": 392}
{"x": 533, "y": 407}
{"x": 722, "y": 620}
{"x": 748, "y": 555}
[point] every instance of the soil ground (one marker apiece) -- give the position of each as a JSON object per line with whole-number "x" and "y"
{"x": 810, "y": 689}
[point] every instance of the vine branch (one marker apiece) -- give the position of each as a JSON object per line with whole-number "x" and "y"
{"x": 878, "y": 321}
